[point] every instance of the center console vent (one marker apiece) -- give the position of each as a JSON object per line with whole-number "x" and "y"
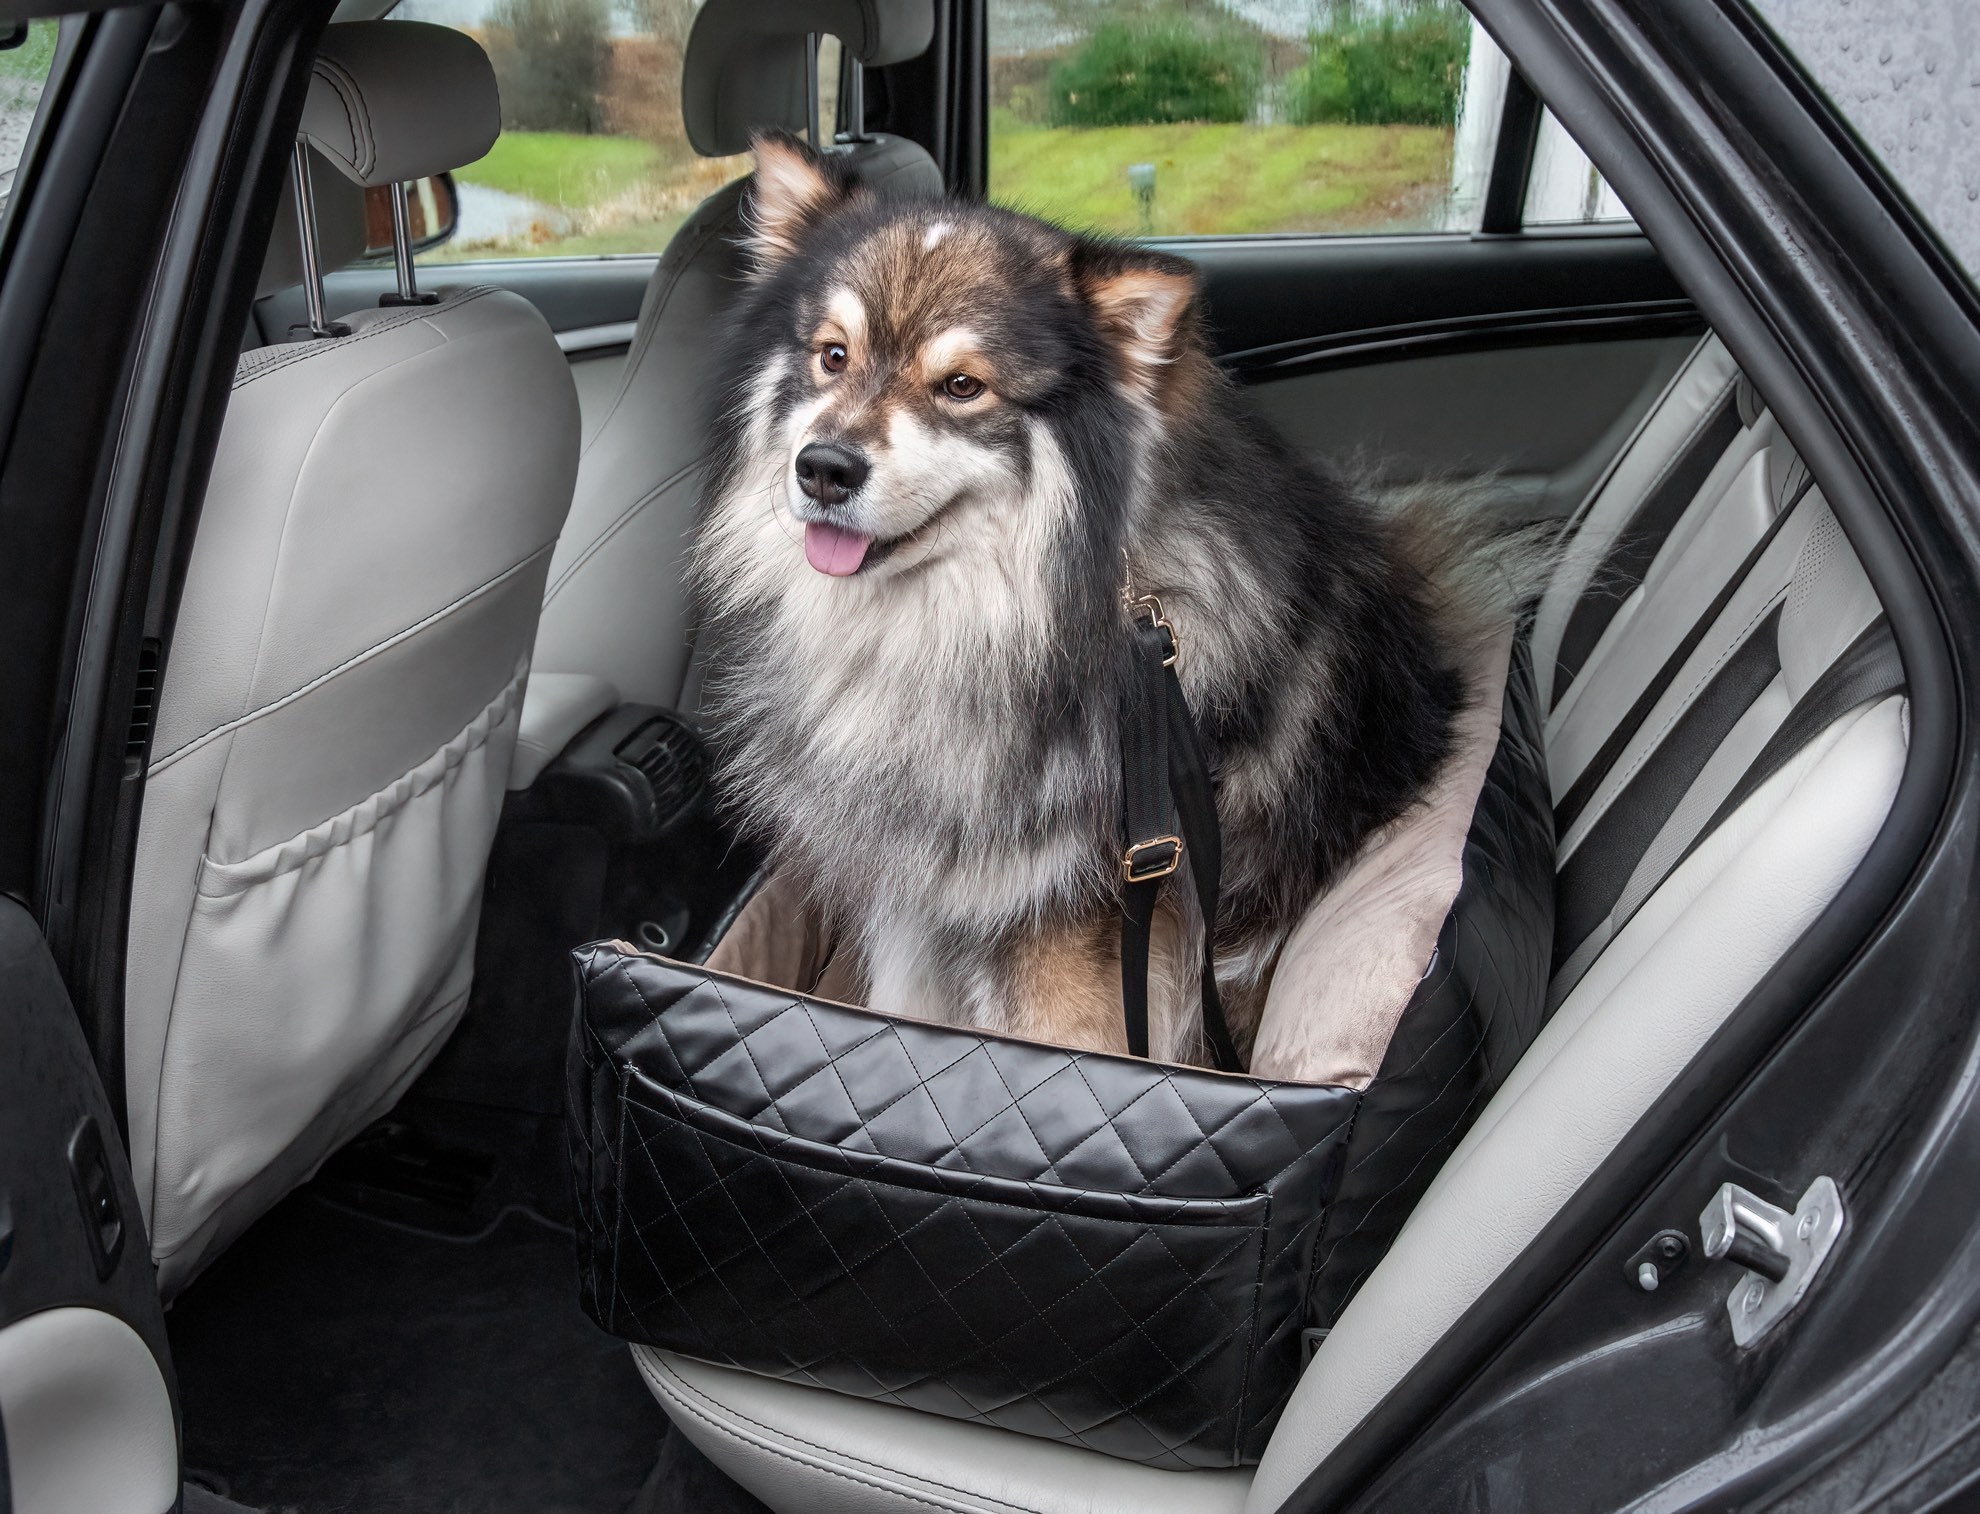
{"x": 675, "y": 764}
{"x": 633, "y": 775}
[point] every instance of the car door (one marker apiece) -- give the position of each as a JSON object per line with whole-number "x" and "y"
{"x": 88, "y": 1419}
{"x": 113, "y": 141}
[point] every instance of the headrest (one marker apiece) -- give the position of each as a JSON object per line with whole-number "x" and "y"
{"x": 394, "y": 100}
{"x": 342, "y": 233}
{"x": 891, "y": 165}
{"x": 744, "y": 69}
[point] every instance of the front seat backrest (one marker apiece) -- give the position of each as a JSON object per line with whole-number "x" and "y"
{"x": 616, "y": 606}
{"x": 341, "y": 694}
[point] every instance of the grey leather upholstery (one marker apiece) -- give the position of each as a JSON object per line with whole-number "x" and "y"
{"x": 1702, "y": 918}
{"x": 396, "y": 100}
{"x": 556, "y": 708}
{"x": 617, "y": 607}
{"x": 744, "y": 68}
{"x": 335, "y": 728}
{"x": 87, "y": 1417}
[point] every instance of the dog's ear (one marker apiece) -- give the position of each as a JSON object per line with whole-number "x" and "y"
{"x": 1144, "y": 303}
{"x": 793, "y": 189}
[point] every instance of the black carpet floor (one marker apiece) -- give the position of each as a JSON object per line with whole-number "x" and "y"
{"x": 347, "y": 1357}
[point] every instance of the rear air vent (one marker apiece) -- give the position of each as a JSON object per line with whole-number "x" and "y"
{"x": 673, "y": 762}
{"x": 144, "y": 706}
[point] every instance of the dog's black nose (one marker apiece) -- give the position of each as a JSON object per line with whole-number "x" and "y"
{"x": 829, "y": 473}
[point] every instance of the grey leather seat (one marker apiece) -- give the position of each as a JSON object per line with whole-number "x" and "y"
{"x": 341, "y": 699}
{"x": 616, "y": 608}
{"x": 1712, "y": 596}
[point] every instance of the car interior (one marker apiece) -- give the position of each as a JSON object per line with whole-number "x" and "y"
{"x": 429, "y": 722}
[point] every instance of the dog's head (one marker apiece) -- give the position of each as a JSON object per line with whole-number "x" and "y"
{"x": 931, "y": 378}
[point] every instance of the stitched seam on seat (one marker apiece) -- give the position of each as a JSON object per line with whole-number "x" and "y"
{"x": 321, "y": 345}
{"x": 618, "y": 524}
{"x": 345, "y": 666}
{"x": 346, "y": 91}
{"x": 649, "y": 1368}
{"x": 444, "y": 760}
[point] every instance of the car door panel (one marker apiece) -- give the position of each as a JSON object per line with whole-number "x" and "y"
{"x": 86, "y": 1406}
{"x": 1537, "y": 424}
{"x": 1526, "y": 359}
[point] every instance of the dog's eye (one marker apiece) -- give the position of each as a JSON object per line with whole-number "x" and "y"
{"x": 832, "y": 357}
{"x": 960, "y": 386}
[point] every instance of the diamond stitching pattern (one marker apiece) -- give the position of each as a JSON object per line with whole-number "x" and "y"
{"x": 986, "y": 1229}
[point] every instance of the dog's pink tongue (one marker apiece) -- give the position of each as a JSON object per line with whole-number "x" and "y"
{"x": 831, "y": 549}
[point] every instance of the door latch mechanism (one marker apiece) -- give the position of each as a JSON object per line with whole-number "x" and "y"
{"x": 1781, "y": 1252}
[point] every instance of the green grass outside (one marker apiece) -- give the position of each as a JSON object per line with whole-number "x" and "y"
{"x": 561, "y": 168}
{"x": 33, "y": 58}
{"x": 1227, "y": 179}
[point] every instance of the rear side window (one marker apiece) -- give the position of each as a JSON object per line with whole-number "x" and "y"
{"x": 592, "y": 158}
{"x": 1242, "y": 118}
{"x": 1564, "y": 188}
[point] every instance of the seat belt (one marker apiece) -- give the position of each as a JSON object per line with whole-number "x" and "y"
{"x": 1168, "y": 814}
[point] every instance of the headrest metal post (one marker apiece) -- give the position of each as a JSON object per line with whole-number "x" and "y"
{"x": 317, "y": 315}
{"x": 402, "y": 243}
{"x": 812, "y": 127}
{"x": 854, "y": 108}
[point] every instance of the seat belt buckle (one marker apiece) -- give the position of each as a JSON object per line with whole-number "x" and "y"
{"x": 1151, "y": 860}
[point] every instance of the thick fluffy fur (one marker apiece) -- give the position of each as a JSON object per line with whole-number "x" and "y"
{"x": 931, "y": 744}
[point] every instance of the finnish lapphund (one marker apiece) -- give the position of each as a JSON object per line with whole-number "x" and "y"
{"x": 948, "y": 437}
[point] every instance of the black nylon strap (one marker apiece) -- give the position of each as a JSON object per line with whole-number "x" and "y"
{"x": 1169, "y": 815}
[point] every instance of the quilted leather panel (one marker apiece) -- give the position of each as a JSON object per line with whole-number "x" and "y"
{"x": 1097, "y": 1250}
{"x": 1477, "y": 1011}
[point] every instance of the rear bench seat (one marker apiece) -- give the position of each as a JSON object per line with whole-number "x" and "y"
{"x": 1725, "y": 735}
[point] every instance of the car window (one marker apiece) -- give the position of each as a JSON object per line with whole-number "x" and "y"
{"x": 592, "y": 158}
{"x": 1564, "y": 188}
{"x": 29, "y": 52}
{"x": 1256, "y": 116}
{"x": 1906, "y": 75}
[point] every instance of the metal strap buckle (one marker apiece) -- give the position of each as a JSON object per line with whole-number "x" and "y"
{"x": 1146, "y": 861}
{"x": 1149, "y": 605}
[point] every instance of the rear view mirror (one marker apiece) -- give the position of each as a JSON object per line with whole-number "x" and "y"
{"x": 435, "y": 208}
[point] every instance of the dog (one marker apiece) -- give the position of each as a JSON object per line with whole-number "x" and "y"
{"x": 950, "y": 437}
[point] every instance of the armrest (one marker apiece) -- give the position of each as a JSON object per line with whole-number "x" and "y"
{"x": 556, "y": 706}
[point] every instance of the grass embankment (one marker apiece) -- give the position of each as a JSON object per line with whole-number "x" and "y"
{"x": 563, "y": 169}
{"x": 1227, "y": 179}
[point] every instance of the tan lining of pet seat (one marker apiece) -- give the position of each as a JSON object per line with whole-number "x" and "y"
{"x": 1346, "y": 973}
{"x": 1362, "y": 947}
